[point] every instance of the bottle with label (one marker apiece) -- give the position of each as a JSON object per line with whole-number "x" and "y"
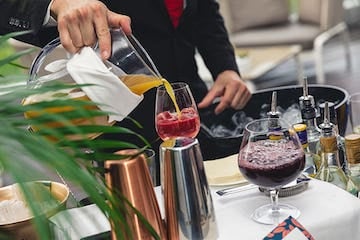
{"x": 352, "y": 149}
{"x": 330, "y": 169}
{"x": 308, "y": 115}
{"x": 309, "y": 168}
{"x": 340, "y": 139}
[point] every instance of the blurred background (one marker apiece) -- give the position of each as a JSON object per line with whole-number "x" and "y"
{"x": 335, "y": 67}
{"x": 336, "y": 72}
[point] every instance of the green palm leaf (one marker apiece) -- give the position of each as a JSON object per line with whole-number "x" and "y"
{"x": 50, "y": 147}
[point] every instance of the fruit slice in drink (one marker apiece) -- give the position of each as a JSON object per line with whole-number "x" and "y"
{"x": 171, "y": 125}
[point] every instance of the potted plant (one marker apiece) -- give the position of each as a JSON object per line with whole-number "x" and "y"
{"x": 51, "y": 147}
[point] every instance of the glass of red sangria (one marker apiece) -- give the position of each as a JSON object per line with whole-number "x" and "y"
{"x": 176, "y": 114}
{"x": 271, "y": 156}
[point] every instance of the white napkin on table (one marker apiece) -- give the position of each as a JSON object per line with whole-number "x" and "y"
{"x": 108, "y": 91}
{"x": 224, "y": 171}
{"x": 79, "y": 223}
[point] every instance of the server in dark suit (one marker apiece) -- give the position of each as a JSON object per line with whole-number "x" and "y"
{"x": 80, "y": 22}
{"x": 170, "y": 30}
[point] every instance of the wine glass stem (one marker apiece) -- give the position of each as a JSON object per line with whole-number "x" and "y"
{"x": 274, "y": 196}
{"x": 275, "y": 209}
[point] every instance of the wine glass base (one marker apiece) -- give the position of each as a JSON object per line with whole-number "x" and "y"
{"x": 266, "y": 215}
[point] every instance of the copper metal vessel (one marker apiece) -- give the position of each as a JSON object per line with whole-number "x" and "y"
{"x": 130, "y": 177}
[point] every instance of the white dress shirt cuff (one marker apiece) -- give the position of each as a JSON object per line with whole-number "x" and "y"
{"x": 49, "y": 20}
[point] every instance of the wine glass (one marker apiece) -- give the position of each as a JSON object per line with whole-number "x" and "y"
{"x": 176, "y": 114}
{"x": 271, "y": 156}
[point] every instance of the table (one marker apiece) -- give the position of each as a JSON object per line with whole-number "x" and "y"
{"x": 259, "y": 61}
{"x": 327, "y": 212}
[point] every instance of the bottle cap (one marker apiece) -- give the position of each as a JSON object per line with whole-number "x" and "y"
{"x": 332, "y": 112}
{"x": 306, "y": 100}
{"x": 352, "y": 139}
{"x": 352, "y": 147}
{"x": 299, "y": 127}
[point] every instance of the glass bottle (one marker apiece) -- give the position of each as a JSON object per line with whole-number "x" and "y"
{"x": 340, "y": 139}
{"x": 352, "y": 149}
{"x": 308, "y": 115}
{"x": 309, "y": 168}
{"x": 330, "y": 169}
{"x": 332, "y": 115}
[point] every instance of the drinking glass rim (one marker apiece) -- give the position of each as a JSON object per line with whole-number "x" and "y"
{"x": 176, "y": 86}
{"x": 263, "y": 120}
{"x": 354, "y": 97}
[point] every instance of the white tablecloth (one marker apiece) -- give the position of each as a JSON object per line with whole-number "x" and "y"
{"x": 327, "y": 212}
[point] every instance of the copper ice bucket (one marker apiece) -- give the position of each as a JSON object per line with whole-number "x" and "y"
{"x": 130, "y": 178}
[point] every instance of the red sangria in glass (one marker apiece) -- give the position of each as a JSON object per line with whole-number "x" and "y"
{"x": 176, "y": 114}
{"x": 271, "y": 157}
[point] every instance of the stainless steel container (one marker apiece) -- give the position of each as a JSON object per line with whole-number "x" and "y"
{"x": 189, "y": 211}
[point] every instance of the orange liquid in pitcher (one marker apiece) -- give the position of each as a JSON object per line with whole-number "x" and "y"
{"x": 76, "y": 94}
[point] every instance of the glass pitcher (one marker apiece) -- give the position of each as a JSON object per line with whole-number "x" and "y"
{"x": 128, "y": 59}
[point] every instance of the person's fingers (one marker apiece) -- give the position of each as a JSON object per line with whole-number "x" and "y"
{"x": 103, "y": 25}
{"x": 84, "y": 22}
{"x": 240, "y": 99}
{"x": 235, "y": 96}
{"x": 223, "y": 104}
{"x": 208, "y": 99}
{"x": 104, "y": 40}
{"x": 65, "y": 38}
{"x": 246, "y": 97}
{"x": 72, "y": 23}
{"x": 117, "y": 20}
{"x": 102, "y": 30}
{"x": 86, "y": 27}
{"x": 227, "y": 95}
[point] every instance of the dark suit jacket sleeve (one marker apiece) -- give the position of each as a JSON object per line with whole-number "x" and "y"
{"x": 21, "y": 15}
{"x": 212, "y": 39}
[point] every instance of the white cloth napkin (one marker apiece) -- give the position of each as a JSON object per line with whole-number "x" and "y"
{"x": 224, "y": 171}
{"x": 79, "y": 223}
{"x": 109, "y": 92}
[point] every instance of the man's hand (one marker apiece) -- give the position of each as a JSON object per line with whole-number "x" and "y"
{"x": 83, "y": 22}
{"x": 232, "y": 91}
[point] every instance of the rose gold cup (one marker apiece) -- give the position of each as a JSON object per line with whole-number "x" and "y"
{"x": 131, "y": 179}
